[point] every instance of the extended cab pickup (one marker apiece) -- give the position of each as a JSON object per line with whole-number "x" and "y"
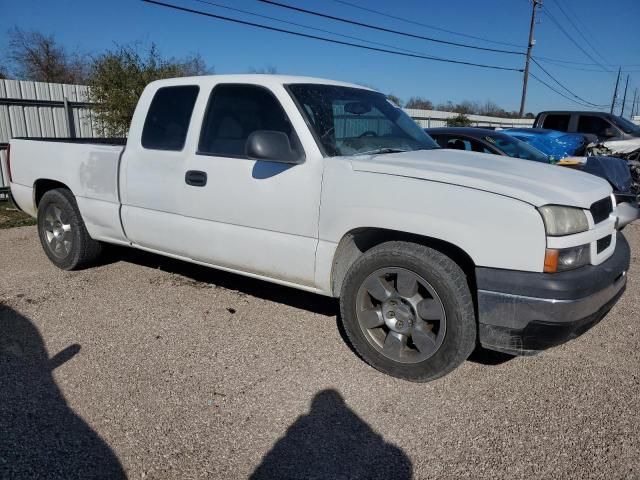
{"x": 328, "y": 187}
{"x": 604, "y": 126}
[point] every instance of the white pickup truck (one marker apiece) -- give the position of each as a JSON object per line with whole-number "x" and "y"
{"x": 328, "y": 187}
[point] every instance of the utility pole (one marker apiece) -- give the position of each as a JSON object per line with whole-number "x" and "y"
{"x": 633, "y": 105}
{"x": 528, "y": 60}
{"x": 615, "y": 91}
{"x": 624, "y": 98}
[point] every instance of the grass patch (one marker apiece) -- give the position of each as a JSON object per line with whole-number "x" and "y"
{"x": 11, "y": 217}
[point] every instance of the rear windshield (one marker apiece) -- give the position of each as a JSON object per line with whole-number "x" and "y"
{"x": 167, "y": 122}
{"x": 556, "y": 122}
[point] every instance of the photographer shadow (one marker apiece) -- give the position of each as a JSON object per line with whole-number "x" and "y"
{"x": 40, "y": 436}
{"x": 332, "y": 442}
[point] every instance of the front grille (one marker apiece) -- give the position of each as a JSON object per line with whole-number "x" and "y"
{"x": 601, "y": 209}
{"x": 603, "y": 243}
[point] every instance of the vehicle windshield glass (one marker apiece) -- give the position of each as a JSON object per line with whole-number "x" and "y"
{"x": 516, "y": 148}
{"x": 353, "y": 121}
{"x": 625, "y": 125}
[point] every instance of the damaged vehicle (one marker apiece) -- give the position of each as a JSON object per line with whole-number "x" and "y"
{"x": 556, "y": 145}
{"x": 606, "y": 126}
{"x": 615, "y": 136}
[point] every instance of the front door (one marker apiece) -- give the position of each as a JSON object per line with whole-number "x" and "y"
{"x": 255, "y": 216}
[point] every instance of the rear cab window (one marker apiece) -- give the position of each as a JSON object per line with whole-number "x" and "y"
{"x": 556, "y": 121}
{"x": 462, "y": 143}
{"x": 168, "y": 118}
{"x": 235, "y": 112}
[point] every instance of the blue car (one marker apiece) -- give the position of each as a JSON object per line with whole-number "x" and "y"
{"x": 556, "y": 145}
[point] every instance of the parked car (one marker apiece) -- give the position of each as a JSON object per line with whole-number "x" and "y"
{"x": 327, "y": 187}
{"x": 518, "y": 143}
{"x": 601, "y": 124}
{"x": 482, "y": 140}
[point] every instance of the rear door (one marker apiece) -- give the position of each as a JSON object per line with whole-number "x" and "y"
{"x": 556, "y": 121}
{"x": 153, "y": 171}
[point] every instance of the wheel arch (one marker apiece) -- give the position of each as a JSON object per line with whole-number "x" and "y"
{"x": 42, "y": 186}
{"x": 359, "y": 240}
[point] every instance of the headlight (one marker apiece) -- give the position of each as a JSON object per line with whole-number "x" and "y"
{"x": 563, "y": 220}
{"x": 558, "y": 260}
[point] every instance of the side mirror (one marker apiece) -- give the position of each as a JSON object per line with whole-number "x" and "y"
{"x": 610, "y": 132}
{"x": 271, "y": 146}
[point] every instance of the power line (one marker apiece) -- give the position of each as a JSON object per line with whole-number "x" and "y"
{"x": 413, "y": 22}
{"x": 300, "y": 25}
{"x": 571, "y": 62}
{"x": 587, "y": 41}
{"x": 562, "y": 86}
{"x": 558, "y": 92}
{"x": 555, "y": 63}
{"x": 388, "y": 30}
{"x": 329, "y": 40}
{"x": 562, "y": 29}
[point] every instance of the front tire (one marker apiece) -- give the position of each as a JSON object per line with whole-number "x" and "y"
{"x": 62, "y": 232}
{"x": 408, "y": 312}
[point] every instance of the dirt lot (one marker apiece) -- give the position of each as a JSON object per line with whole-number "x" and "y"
{"x": 158, "y": 369}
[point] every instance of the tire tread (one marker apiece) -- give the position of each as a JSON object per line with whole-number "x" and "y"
{"x": 437, "y": 261}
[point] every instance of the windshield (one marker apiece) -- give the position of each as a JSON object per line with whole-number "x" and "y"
{"x": 625, "y": 125}
{"x": 353, "y": 121}
{"x": 516, "y": 148}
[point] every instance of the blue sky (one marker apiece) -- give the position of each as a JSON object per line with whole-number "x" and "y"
{"x": 95, "y": 25}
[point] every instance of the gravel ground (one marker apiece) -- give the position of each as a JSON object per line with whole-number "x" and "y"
{"x": 151, "y": 368}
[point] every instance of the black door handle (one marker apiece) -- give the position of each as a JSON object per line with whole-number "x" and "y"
{"x": 195, "y": 178}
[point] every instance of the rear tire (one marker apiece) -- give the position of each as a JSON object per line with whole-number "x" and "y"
{"x": 408, "y": 312}
{"x": 62, "y": 232}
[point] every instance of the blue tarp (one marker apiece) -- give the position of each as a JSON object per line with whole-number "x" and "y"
{"x": 557, "y": 145}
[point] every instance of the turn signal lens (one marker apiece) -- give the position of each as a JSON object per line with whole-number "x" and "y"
{"x": 551, "y": 260}
{"x": 566, "y": 258}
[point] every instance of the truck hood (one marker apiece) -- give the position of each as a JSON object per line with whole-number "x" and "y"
{"x": 623, "y": 146}
{"x": 532, "y": 182}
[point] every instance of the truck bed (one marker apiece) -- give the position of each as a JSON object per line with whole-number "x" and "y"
{"x": 84, "y": 140}
{"x": 87, "y": 166}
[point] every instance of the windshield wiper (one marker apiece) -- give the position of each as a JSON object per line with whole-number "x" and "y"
{"x": 379, "y": 151}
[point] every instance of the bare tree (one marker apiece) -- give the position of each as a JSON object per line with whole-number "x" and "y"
{"x": 36, "y": 56}
{"x": 3, "y": 73}
{"x": 419, "y": 103}
{"x": 394, "y": 99}
{"x": 266, "y": 70}
{"x": 192, "y": 65}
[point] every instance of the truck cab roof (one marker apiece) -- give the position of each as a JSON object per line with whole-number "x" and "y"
{"x": 252, "y": 78}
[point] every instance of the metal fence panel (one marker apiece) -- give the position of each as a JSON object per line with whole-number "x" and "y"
{"x": 4, "y": 176}
{"x": 42, "y": 112}
{"x": 5, "y": 121}
{"x": 47, "y": 122}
